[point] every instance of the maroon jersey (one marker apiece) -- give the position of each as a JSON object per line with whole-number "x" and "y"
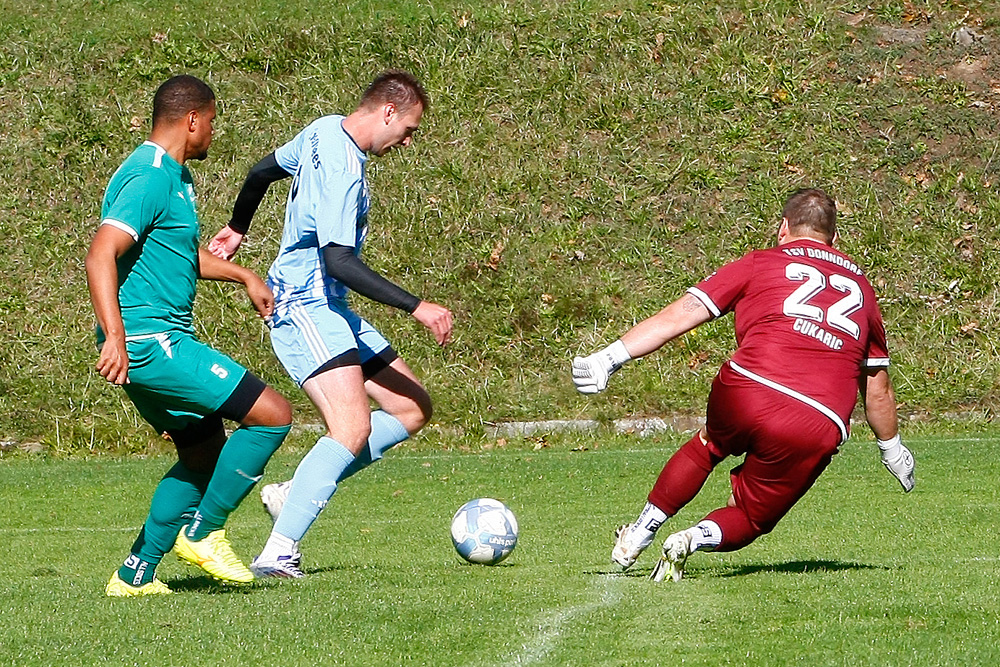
{"x": 807, "y": 323}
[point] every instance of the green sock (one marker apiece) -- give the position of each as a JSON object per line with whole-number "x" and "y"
{"x": 136, "y": 571}
{"x": 174, "y": 501}
{"x": 241, "y": 465}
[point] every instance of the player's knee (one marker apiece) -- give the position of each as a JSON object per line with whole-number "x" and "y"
{"x": 423, "y": 413}
{"x": 271, "y": 409}
{"x": 354, "y": 437}
{"x": 282, "y": 410}
{"x": 200, "y": 443}
{"x": 697, "y": 451}
{"x": 417, "y": 413}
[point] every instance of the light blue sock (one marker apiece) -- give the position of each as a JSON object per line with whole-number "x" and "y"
{"x": 387, "y": 432}
{"x": 312, "y": 487}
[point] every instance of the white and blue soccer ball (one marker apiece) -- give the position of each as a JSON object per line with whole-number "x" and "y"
{"x": 484, "y": 531}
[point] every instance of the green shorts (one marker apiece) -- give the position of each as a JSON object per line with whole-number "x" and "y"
{"x": 176, "y": 380}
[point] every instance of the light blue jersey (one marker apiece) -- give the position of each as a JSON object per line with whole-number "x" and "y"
{"x": 328, "y": 203}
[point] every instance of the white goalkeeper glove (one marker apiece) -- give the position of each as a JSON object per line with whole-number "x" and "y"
{"x": 898, "y": 460}
{"x": 590, "y": 374}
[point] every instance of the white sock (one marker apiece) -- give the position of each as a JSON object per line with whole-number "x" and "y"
{"x": 705, "y": 536}
{"x": 278, "y": 545}
{"x": 650, "y": 519}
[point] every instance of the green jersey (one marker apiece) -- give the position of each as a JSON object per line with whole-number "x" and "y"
{"x": 151, "y": 197}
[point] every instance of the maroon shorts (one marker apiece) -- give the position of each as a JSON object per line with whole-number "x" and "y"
{"x": 787, "y": 445}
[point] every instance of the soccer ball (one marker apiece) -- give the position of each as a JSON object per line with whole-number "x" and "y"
{"x": 484, "y": 531}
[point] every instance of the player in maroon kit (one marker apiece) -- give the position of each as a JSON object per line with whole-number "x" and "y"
{"x": 809, "y": 335}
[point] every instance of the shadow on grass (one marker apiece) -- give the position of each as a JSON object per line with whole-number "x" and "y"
{"x": 206, "y": 584}
{"x": 799, "y": 567}
{"x": 791, "y": 567}
{"x": 633, "y": 573}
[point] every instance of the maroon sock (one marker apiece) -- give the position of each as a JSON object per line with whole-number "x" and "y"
{"x": 683, "y": 476}
{"x": 737, "y": 531}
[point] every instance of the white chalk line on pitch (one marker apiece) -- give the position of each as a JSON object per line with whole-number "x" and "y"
{"x": 78, "y": 529}
{"x": 619, "y": 451}
{"x": 552, "y": 624}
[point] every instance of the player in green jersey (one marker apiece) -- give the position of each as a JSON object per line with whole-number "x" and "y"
{"x": 141, "y": 269}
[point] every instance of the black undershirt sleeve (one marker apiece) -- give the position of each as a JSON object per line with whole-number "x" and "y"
{"x": 254, "y": 188}
{"x": 345, "y": 266}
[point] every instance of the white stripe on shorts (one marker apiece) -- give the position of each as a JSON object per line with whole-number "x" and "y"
{"x": 321, "y": 353}
{"x": 811, "y": 402}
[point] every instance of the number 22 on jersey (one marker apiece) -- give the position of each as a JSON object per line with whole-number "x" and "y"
{"x": 814, "y": 281}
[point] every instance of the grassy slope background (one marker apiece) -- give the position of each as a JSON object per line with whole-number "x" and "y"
{"x": 581, "y": 165}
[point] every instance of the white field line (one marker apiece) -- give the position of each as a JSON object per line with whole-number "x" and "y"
{"x": 69, "y": 529}
{"x": 629, "y": 451}
{"x": 552, "y": 625}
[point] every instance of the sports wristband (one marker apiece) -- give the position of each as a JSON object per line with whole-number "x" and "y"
{"x": 891, "y": 443}
{"x": 617, "y": 354}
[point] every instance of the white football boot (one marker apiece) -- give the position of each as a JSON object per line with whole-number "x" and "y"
{"x": 282, "y": 567}
{"x": 676, "y": 550}
{"x": 629, "y": 544}
{"x": 274, "y": 496}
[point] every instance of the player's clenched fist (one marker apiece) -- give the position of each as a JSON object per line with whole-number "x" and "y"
{"x": 590, "y": 374}
{"x": 113, "y": 361}
{"x": 436, "y": 318}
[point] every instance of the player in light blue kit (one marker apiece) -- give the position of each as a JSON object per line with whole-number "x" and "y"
{"x": 337, "y": 357}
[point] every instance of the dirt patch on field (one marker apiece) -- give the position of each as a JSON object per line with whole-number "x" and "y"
{"x": 971, "y": 70}
{"x": 887, "y": 35}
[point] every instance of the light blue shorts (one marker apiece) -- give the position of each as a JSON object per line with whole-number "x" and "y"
{"x": 313, "y": 335}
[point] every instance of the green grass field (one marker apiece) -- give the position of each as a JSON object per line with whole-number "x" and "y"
{"x": 857, "y": 574}
{"x": 581, "y": 163}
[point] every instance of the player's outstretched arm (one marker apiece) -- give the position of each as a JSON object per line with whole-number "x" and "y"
{"x": 674, "y": 321}
{"x": 880, "y": 412}
{"x": 225, "y": 244}
{"x": 346, "y": 267}
{"x": 591, "y": 373}
{"x": 211, "y": 267}
{"x": 108, "y": 245}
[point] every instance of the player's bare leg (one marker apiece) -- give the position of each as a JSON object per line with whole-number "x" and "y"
{"x": 339, "y": 395}
{"x": 398, "y": 392}
{"x": 405, "y": 409}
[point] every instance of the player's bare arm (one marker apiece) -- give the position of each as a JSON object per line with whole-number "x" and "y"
{"x": 211, "y": 267}
{"x": 591, "y": 373}
{"x": 675, "y": 320}
{"x": 108, "y": 245}
{"x": 880, "y": 403}
{"x": 880, "y": 412}
{"x": 258, "y": 180}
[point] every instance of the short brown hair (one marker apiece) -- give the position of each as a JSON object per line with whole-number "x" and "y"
{"x": 178, "y": 95}
{"x": 394, "y": 86}
{"x": 811, "y": 212}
